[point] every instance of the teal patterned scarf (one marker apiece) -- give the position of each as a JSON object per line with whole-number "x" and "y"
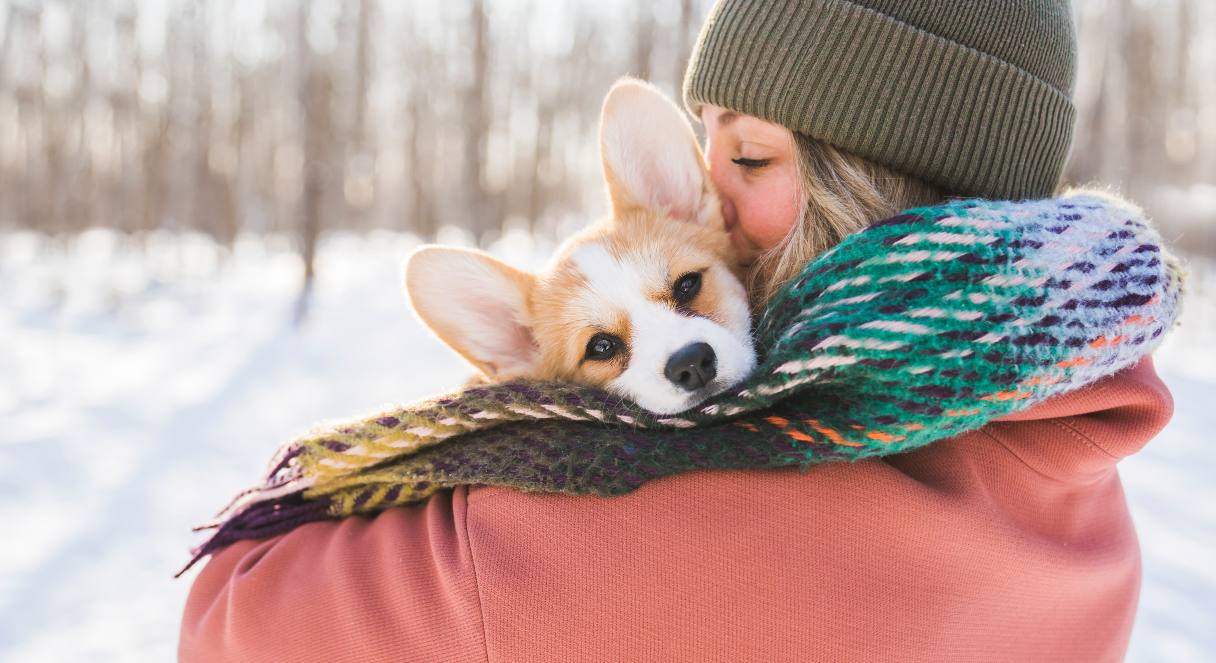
{"x": 918, "y": 328}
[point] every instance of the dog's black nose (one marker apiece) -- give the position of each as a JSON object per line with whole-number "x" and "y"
{"x": 692, "y": 366}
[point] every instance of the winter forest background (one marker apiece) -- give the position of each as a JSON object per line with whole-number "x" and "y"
{"x": 204, "y": 207}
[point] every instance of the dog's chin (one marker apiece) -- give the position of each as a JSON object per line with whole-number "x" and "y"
{"x": 663, "y": 398}
{"x": 667, "y": 407}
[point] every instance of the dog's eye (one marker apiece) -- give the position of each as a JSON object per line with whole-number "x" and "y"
{"x": 686, "y": 288}
{"x": 603, "y": 346}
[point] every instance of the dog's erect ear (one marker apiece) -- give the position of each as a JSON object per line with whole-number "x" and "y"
{"x": 650, "y": 154}
{"x": 477, "y": 305}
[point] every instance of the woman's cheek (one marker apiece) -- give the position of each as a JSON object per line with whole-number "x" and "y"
{"x": 771, "y": 213}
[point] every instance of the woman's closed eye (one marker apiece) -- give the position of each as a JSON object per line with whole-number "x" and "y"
{"x": 750, "y": 164}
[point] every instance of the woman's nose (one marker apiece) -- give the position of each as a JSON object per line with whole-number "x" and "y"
{"x": 723, "y": 187}
{"x": 730, "y": 216}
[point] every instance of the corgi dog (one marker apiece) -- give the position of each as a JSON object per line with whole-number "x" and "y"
{"x": 647, "y": 303}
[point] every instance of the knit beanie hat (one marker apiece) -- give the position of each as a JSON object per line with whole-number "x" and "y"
{"x": 973, "y": 96}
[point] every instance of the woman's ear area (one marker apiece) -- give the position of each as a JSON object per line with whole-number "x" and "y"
{"x": 650, "y": 154}
{"x": 476, "y": 305}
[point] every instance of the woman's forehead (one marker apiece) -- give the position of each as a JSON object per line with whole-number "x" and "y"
{"x": 718, "y": 118}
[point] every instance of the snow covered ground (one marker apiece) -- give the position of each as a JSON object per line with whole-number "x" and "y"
{"x": 140, "y": 388}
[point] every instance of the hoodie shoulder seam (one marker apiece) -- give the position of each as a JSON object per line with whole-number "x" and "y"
{"x": 987, "y": 433}
{"x": 481, "y": 609}
{"x": 1063, "y": 424}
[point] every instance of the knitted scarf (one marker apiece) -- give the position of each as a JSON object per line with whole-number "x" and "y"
{"x": 915, "y": 329}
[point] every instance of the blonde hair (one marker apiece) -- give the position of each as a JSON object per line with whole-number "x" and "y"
{"x": 841, "y": 194}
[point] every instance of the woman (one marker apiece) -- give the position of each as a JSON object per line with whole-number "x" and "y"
{"x": 1012, "y": 542}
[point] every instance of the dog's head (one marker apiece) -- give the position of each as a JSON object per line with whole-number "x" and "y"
{"x": 647, "y": 303}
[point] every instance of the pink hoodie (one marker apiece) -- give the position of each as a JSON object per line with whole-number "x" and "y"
{"x": 1011, "y": 543}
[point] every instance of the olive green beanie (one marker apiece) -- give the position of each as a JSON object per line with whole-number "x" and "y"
{"x": 973, "y": 96}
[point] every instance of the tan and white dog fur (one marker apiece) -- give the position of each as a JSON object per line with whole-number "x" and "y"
{"x": 646, "y": 303}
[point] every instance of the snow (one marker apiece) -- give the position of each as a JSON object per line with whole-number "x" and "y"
{"x": 142, "y": 384}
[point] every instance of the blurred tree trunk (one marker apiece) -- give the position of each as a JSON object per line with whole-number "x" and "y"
{"x": 75, "y": 183}
{"x": 685, "y": 33}
{"x": 315, "y": 90}
{"x": 48, "y": 207}
{"x": 1182, "y": 133}
{"x": 10, "y": 182}
{"x": 540, "y": 151}
{"x": 210, "y": 196}
{"x": 362, "y": 74}
{"x": 122, "y": 204}
{"x": 1097, "y": 140}
{"x": 1143, "y": 100}
{"x": 418, "y": 152}
{"x": 6, "y": 38}
{"x": 157, "y": 136}
{"x": 477, "y": 123}
{"x": 359, "y": 171}
{"x": 643, "y": 44}
{"x": 316, "y": 97}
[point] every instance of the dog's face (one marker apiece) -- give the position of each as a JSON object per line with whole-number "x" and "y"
{"x": 647, "y": 303}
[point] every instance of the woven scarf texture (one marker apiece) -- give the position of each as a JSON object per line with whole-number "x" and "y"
{"x": 915, "y": 329}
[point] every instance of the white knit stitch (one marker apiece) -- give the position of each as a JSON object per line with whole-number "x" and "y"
{"x": 1001, "y": 280}
{"x": 898, "y": 326}
{"x": 777, "y": 388}
{"x": 867, "y": 343}
{"x": 360, "y": 450}
{"x": 818, "y": 362}
{"x": 563, "y": 412}
{"x": 528, "y": 412}
{"x": 980, "y": 298}
{"x": 406, "y": 442}
{"x": 793, "y": 330}
{"x": 844, "y": 283}
{"x": 946, "y": 238}
{"x": 901, "y": 277}
{"x": 919, "y": 256}
{"x": 951, "y": 354}
{"x": 984, "y": 224}
{"x": 857, "y": 299}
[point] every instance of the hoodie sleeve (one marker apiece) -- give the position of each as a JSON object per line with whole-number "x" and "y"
{"x": 400, "y": 586}
{"x": 1080, "y": 434}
